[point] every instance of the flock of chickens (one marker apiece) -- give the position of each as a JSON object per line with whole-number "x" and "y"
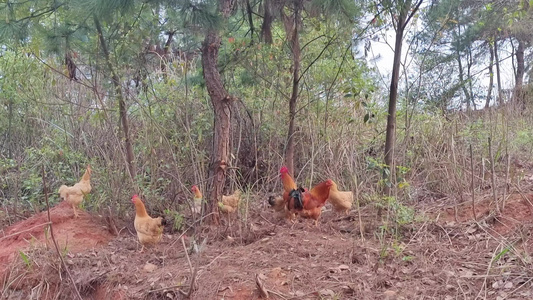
{"x": 293, "y": 202}
{"x": 308, "y": 204}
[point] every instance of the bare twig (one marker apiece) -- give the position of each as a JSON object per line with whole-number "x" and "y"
{"x": 266, "y": 220}
{"x": 493, "y": 177}
{"x": 519, "y": 287}
{"x": 193, "y": 270}
{"x": 261, "y": 287}
{"x": 506, "y": 186}
{"x": 54, "y": 239}
{"x": 472, "y": 183}
{"x": 177, "y": 286}
{"x": 523, "y": 196}
{"x": 358, "y": 204}
{"x": 489, "y": 266}
{"x": 456, "y": 180}
{"x": 26, "y": 230}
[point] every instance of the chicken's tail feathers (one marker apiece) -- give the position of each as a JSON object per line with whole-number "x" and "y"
{"x": 297, "y": 196}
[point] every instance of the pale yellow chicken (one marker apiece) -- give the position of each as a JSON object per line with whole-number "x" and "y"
{"x": 74, "y": 194}
{"x": 340, "y": 200}
{"x": 230, "y": 203}
{"x": 197, "y": 200}
{"x": 149, "y": 230}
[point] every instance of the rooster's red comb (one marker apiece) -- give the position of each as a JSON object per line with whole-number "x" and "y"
{"x": 284, "y": 170}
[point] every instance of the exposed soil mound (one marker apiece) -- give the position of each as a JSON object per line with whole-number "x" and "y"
{"x": 74, "y": 235}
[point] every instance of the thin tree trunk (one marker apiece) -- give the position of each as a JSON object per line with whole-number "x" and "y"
{"x": 406, "y": 13}
{"x": 498, "y": 77}
{"x": 9, "y": 129}
{"x": 520, "y": 70}
{"x": 295, "y": 48}
{"x": 491, "y": 76}
{"x": 249, "y": 12}
{"x": 461, "y": 79}
{"x": 469, "y": 76}
{"x": 266, "y": 27}
{"x": 121, "y": 104}
{"x": 221, "y": 102}
{"x": 393, "y": 96}
{"x": 166, "y": 51}
{"x": 461, "y": 71}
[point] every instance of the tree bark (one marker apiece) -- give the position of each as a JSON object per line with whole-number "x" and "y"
{"x": 498, "y": 77}
{"x": 406, "y": 13}
{"x": 121, "y": 104}
{"x": 469, "y": 76}
{"x": 221, "y": 102}
{"x": 9, "y": 128}
{"x": 295, "y": 49}
{"x": 518, "y": 96}
{"x": 266, "y": 27}
{"x": 491, "y": 76}
{"x": 393, "y": 95}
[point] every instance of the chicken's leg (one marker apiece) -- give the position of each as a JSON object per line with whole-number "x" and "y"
{"x": 75, "y": 212}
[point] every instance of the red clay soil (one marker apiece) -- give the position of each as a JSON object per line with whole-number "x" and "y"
{"x": 74, "y": 235}
{"x": 518, "y": 210}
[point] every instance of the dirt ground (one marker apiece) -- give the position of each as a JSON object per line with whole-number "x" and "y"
{"x": 440, "y": 256}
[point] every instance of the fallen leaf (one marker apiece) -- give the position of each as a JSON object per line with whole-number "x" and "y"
{"x": 508, "y": 285}
{"x": 343, "y": 267}
{"x": 466, "y": 273}
{"x": 326, "y": 292}
{"x": 389, "y": 295}
{"x": 471, "y": 230}
{"x": 497, "y": 284}
{"x": 149, "y": 267}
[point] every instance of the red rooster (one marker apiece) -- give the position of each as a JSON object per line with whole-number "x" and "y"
{"x": 309, "y": 203}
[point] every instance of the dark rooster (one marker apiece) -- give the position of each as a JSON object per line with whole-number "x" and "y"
{"x": 309, "y": 203}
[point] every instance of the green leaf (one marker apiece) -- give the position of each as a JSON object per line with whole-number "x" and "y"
{"x": 502, "y": 253}
{"x": 25, "y": 258}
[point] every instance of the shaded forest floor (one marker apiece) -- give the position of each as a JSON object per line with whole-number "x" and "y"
{"x": 437, "y": 257}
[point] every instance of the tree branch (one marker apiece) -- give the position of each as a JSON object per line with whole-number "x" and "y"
{"x": 54, "y": 239}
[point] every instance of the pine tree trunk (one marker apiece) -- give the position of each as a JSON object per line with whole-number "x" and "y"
{"x": 519, "y": 77}
{"x": 491, "y": 76}
{"x": 295, "y": 48}
{"x": 498, "y": 77}
{"x": 121, "y": 104}
{"x": 221, "y": 102}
